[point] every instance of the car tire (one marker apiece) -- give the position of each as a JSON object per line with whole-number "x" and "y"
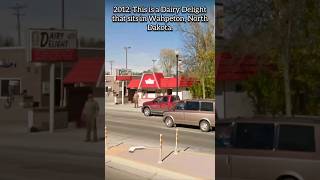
{"x": 147, "y": 111}
{"x": 288, "y": 178}
{"x": 168, "y": 121}
{"x": 204, "y": 126}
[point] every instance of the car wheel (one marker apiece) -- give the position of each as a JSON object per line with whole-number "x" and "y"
{"x": 147, "y": 111}
{"x": 169, "y": 122}
{"x": 204, "y": 126}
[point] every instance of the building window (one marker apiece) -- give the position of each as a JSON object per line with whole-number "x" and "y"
{"x": 9, "y": 87}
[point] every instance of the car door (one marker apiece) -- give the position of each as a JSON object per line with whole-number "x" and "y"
{"x": 252, "y": 148}
{"x": 155, "y": 105}
{"x": 178, "y": 113}
{"x": 191, "y": 113}
{"x": 207, "y": 111}
{"x": 164, "y": 104}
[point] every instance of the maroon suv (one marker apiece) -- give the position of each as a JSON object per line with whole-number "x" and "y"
{"x": 159, "y": 105}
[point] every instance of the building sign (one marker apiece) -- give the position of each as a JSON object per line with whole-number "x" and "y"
{"x": 149, "y": 81}
{"x": 123, "y": 74}
{"x": 52, "y": 45}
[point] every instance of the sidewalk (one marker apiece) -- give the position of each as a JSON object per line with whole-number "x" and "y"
{"x": 66, "y": 141}
{"x": 184, "y": 165}
{"x": 129, "y": 107}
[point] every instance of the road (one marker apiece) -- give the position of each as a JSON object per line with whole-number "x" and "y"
{"x": 25, "y": 163}
{"x": 135, "y": 126}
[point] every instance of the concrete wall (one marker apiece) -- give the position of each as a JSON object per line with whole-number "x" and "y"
{"x": 40, "y": 119}
{"x": 11, "y": 114}
{"x": 237, "y": 102}
{"x": 101, "y": 102}
{"x": 29, "y": 74}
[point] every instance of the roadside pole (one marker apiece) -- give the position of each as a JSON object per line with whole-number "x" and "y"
{"x": 105, "y": 136}
{"x": 160, "y": 150}
{"x": 176, "y": 148}
{"x": 122, "y": 93}
{"x": 51, "y": 108}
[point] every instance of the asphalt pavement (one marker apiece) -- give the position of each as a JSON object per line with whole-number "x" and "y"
{"x": 135, "y": 127}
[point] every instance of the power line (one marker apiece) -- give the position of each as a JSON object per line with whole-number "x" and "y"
{"x": 17, "y": 12}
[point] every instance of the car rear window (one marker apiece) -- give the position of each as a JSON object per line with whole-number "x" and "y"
{"x": 296, "y": 138}
{"x": 254, "y": 136}
{"x": 192, "y": 105}
{"x": 206, "y": 106}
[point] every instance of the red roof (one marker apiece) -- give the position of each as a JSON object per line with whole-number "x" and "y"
{"x": 158, "y": 81}
{"x": 85, "y": 71}
{"x": 134, "y": 83}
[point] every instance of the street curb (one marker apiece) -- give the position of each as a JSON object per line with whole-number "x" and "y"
{"x": 149, "y": 168}
{"x": 123, "y": 109}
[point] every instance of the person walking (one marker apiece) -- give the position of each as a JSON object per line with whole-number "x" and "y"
{"x": 90, "y": 114}
{"x": 136, "y": 99}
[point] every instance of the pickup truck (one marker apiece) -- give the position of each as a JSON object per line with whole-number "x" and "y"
{"x": 159, "y": 105}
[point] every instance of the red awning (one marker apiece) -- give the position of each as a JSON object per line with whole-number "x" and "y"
{"x": 85, "y": 71}
{"x": 134, "y": 84}
{"x": 231, "y": 68}
{"x": 172, "y": 82}
{"x": 158, "y": 81}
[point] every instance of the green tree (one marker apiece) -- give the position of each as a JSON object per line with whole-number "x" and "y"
{"x": 286, "y": 34}
{"x": 199, "y": 47}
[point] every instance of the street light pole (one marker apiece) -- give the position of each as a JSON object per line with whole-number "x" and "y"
{"x": 177, "y": 71}
{"x": 153, "y": 61}
{"x": 126, "y": 49}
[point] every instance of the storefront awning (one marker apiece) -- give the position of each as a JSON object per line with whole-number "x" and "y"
{"x": 158, "y": 81}
{"x": 85, "y": 71}
{"x": 134, "y": 83}
{"x": 230, "y": 67}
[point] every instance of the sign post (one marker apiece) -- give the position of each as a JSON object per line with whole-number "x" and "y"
{"x": 52, "y": 46}
{"x": 51, "y": 108}
{"x": 122, "y": 93}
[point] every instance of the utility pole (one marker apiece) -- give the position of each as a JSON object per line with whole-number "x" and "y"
{"x": 177, "y": 71}
{"x": 126, "y": 49}
{"x": 17, "y": 12}
{"x": 111, "y": 62}
{"x": 153, "y": 61}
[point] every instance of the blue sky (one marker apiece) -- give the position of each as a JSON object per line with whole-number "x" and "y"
{"x": 145, "y": 45}
{"x": 47, "y": 14}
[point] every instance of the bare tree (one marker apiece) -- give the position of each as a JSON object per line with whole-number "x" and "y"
{"x": 167, "y": 61}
